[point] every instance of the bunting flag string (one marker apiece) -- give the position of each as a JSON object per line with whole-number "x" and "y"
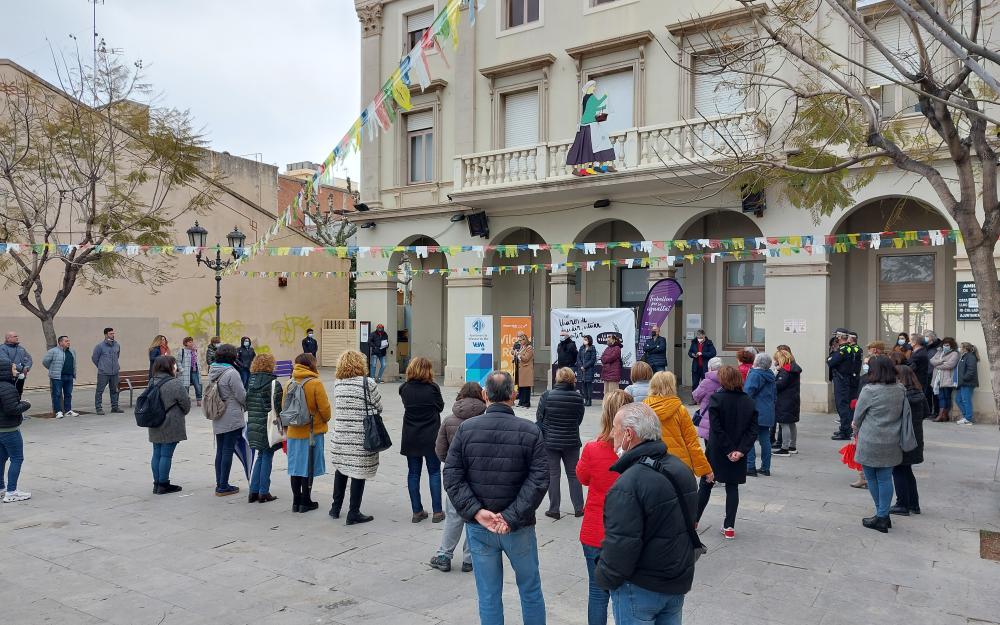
{"x": 831, "y": 244}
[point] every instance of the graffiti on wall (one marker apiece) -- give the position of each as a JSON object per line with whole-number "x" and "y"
{"x": 290, "y": 328}
{"x": 200, "y": 324}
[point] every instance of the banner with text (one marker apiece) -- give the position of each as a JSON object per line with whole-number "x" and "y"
{"x": 659, "y": 302}
{"x": 599, "y": 323}
{"x": 478, "y": 347}
{"x": 510, "y": 327}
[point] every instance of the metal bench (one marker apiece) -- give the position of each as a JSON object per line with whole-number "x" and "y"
{"x": 283, "y": 368}
{"x": 131, "y": 380}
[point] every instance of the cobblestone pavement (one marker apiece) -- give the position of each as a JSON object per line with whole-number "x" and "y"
{"x": 94, "y": 545}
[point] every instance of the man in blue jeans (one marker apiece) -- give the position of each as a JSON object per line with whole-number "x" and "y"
{"x": 496, "y": 476}
{"x": 647, "y": 557}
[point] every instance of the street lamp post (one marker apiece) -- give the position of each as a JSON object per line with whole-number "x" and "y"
{"x": 197, "y": 237}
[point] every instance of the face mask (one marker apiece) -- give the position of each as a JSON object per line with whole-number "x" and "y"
{"x": 246, "y": 343}
{"x": 620, "y": 451}
{"x": 901, "y": 342}
{"x": 310, "y": 335}
{"x": 946, "y": 349}
{"x": 864, "y": 368}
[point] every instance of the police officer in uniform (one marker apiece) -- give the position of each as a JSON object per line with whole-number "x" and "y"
{"x": 842, "y": 369}
{"x": 858, "y": 359}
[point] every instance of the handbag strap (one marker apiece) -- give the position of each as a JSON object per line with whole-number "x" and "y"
{"x": 657, "y": 466}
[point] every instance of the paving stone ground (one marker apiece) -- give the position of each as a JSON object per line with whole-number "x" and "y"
{"x": 94, "y": 545}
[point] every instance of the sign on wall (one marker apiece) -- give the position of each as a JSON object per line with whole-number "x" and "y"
{"x": 510, "y": 327}
{"x": 478, "y": 347}
{"x": 599, "y": 323}
{"x": 967, "y": 307}
{"x": 659, "y": 302}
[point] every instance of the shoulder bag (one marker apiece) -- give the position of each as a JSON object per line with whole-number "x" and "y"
{"x": 697, "y": 546}
{"x": 376, "y": 437}
{"x": 907, "y": 437}
{"x": 275, "y": 433}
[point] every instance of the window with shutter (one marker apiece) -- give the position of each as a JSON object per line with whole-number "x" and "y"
{"x": 620, "y": 89}
{"x": 416, "y": 24}
{"x": 420, "y": 147}
{"x": 520, "y": 119}
{"x": 895, "y": 35}
{"x": 714, "y": 89}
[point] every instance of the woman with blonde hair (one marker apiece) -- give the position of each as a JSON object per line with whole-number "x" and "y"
{"x": 594, "y": 471}
{"x": 305, "y": 442}
{"x": 354, "y": 396}
{"x": 787, "y": 402}
{"x": 157, "y": 348}
{"x": 422, "y": 406}
{"x": 559, "y": 415}
{"x": 677, "y": 429}
{"x": 523, "y": 355}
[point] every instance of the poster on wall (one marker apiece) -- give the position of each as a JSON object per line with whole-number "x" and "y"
{"x": 659, "y": 302}
{"x": 510, "y": 327}
{"x": 599, "y": 323}
{"x": 967, "y": 307}
{"x": 478, "y": 347}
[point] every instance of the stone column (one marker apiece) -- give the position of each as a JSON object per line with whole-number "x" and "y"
{"x": 377, "y": 304}
{"x": 370, "y": 15}
{"x": 562, "y": 286}
{"x": 799, "y": 291}
{"x": 467, "y": 295}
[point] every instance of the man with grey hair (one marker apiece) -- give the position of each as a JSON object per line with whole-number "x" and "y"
{"x": 496, "y": 475}
{"x": 648, "y": 554}
{"x": 14, "y": 352}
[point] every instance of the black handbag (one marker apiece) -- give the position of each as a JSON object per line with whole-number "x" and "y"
{"x": 376, "y": 436}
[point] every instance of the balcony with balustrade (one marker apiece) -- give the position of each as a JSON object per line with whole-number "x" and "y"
{"x": 683, "y": 149}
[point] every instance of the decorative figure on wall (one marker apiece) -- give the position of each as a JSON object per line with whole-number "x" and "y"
{"x": 592, "y": 152}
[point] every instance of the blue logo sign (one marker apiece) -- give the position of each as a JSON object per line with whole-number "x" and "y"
{"x": 478, "y": 325}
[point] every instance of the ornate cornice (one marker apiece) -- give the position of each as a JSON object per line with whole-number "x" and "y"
{"x": 370, "y": 16}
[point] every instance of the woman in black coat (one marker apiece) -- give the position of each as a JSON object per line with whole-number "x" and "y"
{"x": 787, "y": 402}
{"x": 732, "y": 432}
{"x": 903, "y": 480}
{"x": 586, "y": 361}
{"x": 422, "y": 406}
{"x": 559, "y": 415}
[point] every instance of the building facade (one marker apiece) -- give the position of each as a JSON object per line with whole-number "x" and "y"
{"x": 492, "y": 134}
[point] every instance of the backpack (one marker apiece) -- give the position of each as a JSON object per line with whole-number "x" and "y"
{"x": 295, "y": 410}
{"x": 215, "y": 406}
{"x": 149, "y": 409}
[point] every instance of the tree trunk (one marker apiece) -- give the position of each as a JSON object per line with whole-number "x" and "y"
{"x": 988, "y": 291}
{"x": 49, "y": 328}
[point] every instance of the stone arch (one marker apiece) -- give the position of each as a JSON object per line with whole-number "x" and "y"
{"x": 422, "y": 303}
{"x": 602, "y": 288}
{"x": 522, "y": 294}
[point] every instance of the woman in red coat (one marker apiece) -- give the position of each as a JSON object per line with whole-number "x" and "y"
{"x": 611, "y": 365}
{"x": 594, "y": 471}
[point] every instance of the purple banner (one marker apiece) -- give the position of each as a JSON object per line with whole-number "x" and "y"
{"x": 659, "y": 302}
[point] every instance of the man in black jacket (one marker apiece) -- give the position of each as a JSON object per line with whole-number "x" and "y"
{"x": 842, "y": 368}
{"x": 309, "y": 344}
{"x": 11, "y": 443}
{"x": 566, "y": 351}
{"x": 496, "y": 476}
{"x": 654, "y": 352}
{"x": 920, "y": 362}
{"x": 378, "y": 346}
{"x": 647, "y": 557}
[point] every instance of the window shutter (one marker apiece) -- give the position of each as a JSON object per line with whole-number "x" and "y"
{"x": 620, "y": 89}
{"x": 715, "y": 93}
{"x": 520, "y": 119}
{"x": 893, "y": 33}
{"x": 419, "y": 21}
{"x": 420, "y": 121}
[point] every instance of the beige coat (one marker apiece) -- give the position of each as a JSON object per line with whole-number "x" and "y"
{"x": 526, "y": 366}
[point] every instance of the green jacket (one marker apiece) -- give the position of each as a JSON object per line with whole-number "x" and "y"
{"x": 591, "y": 104}
{"x": 259, "y": 402}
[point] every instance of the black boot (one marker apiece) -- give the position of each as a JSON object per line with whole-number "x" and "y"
{"x": 166, "y": 488}
{"x": 899, "y": 510}
{"x": 354, "y": 514}
{"x": 877, "y": 523}
{"x": 339, "y": 486}
{"x": 157, "y": 488}
{"x": 296, "y": 494}
{"x": 307, "y": 504}
{"x": 252, "y": 498}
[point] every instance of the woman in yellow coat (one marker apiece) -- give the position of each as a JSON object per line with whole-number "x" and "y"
{"x": 676, "y": 427}
{"x": 305, "y": 454}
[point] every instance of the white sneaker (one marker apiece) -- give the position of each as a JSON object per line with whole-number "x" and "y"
{"x": 963, "y": 421}
{"x": 16, "y": 495}
{"x": 59, "y": 415}
{"x": 72, "y": 413}
{"x": 3, "y": 491}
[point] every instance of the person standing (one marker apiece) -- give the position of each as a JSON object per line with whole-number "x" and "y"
{"x": 468, "y": 404}
{"x": 306, "y": 460}
{"x": 788, "y": 401}
{"x": 105, "y": 358}
{"x": 585, "y": 364}
{"x": 566, "y": 351}
{"x": 703, "y": 394}
{"x": 902, "y": 343}
{"x": 244, "y": 358}
{"x": 13, "y": 351}
{"x": 944, "y": 363}
{"x": 264, "y": 397}
{"x": 213, "y": 345}
{"x": 355, "y": 395}
{"x": 732, "y": 417}
{"x": 745, "y": 358}
{"x": 841, "y": 365}
{"x": 523, "y": 355}
{"x": 654, "y": 351}
{"x": 702, "y": 350}
{"x": 61, "y": 363}
{"x": 920, "y": 362}
{"x": 611, "y": 365}
{"x": 176, "y": 405}
{"x": 497, "y": 494}
{"x": 422, "y": 406}
{"x": 157, "y": 348}
{"x": 967, "y": 378}
{"x": 559, "y": 415}
{"x": 881, "y": 407}
{"x": 642, "y": 373}
{"x": 594, "y": 472}
{"x": 903, "y": 480}
{"x": 677, "y": 428}
{"x": 378, "y": 347}
{"x": 759, "y": 387}
{"x": 228, "y": 429}
{"x": 309, "y": 344}
{"x": 187, "y": 367}
{"x": 647, "y": 557}
{"x": 11, "y": 442}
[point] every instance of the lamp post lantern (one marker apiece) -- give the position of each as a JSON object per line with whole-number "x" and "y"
{"x": 197, "y": 237}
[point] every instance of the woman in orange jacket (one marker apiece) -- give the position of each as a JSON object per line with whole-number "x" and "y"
{"x": 676, "y": 426}
{"x": 305, "y": 453}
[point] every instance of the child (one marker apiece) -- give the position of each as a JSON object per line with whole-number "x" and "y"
{"x": 11, "y": 443}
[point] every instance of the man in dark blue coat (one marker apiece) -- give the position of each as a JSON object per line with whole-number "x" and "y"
{"x": 654, "y": 352}
{"x": 701, "y": 351}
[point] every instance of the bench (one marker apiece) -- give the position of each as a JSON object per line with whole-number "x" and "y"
{"x": 131, "y": 380}
{"x": 283, "y": 368}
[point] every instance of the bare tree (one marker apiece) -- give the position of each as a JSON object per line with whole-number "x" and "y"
{"x": 86, "y": 166}
{"x": 823, "y": 132}
{"x": 331, "y": 228}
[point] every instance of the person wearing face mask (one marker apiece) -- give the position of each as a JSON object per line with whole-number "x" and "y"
{"x": 841, "y": 364}
{"x": 309, "y": 344}
{"x": 244, "y": 358}
{"x": 566, "y": 351}
{"x": 902, "y": 343}
{"x": 586, "y": 362}
{"x": 378, "y": 347}
{"x": 943, "y": 381}
{"x": 701, "y": 351}
{"x": 920, "y": 362}
{"x": 647, "y": 558}
{"x": 176, "y": 404}
{"x": 655, "y": 351}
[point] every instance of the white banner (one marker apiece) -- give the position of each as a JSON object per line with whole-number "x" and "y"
{"x": 478, "y": 347}
{"x": 599, "y": 323}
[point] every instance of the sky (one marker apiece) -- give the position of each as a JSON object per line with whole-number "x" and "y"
{"x": 271, "y": 80}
